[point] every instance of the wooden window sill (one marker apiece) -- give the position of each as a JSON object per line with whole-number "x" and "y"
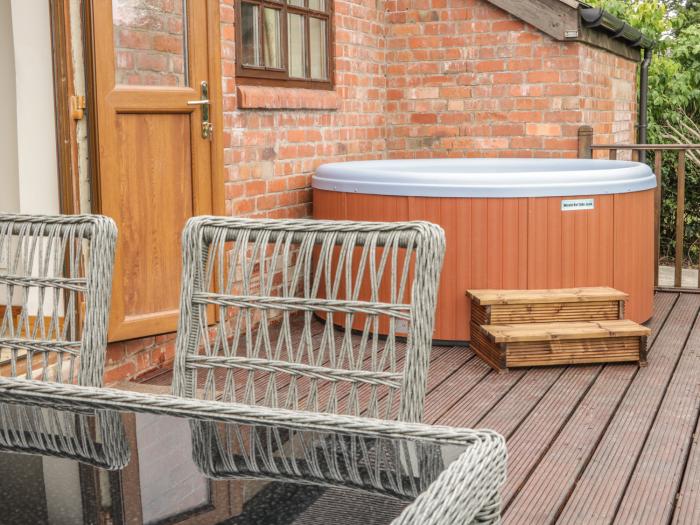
{"x": 266, "y": 97}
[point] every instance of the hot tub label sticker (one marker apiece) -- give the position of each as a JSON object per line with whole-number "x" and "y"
{"x": 577, "y": 204}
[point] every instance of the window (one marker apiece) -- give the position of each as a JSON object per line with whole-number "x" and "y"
{"x": 284, "y": 42}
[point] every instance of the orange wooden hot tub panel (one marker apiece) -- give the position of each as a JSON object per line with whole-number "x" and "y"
{"x": 522, "y": 243}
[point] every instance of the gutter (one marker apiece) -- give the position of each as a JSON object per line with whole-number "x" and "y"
{"x": 600, "y": 19}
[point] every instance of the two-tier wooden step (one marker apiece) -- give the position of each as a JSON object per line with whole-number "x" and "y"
{"x": 541, "y": 344}
{"x": 513, "y": 328}
{"x": 547, "y": 306}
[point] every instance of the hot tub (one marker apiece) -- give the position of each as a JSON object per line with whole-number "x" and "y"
{"x": 511, "y": 223}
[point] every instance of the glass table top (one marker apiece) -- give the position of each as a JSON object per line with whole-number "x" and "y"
{"x": 62, "y": 466}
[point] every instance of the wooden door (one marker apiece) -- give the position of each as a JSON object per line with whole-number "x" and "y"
{"x": 154, "y": 166}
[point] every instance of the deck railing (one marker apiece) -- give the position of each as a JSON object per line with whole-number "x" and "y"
{"x": 585, "y": 151}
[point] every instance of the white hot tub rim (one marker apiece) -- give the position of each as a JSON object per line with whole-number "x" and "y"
{"x": 484, "y": 178}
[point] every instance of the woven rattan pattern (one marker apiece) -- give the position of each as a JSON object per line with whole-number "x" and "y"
{"x": 378, "y": 279}
{"x": 55, "y": 283}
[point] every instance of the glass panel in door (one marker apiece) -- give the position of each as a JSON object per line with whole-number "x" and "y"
{"x": 150, "y": 42}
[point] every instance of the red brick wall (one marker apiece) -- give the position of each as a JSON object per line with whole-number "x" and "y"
{"x": 414, "y": 78}
{"x": 271, "y": 154}
{"x": 608, "y": 95}
{"x": 468, "y": 79}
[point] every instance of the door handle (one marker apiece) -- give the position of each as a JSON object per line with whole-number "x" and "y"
{"x": 207, "y": 127}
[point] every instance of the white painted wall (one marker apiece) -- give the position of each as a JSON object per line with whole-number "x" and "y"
{"x": 28, "y": 165}
{"x": 170, "y": 482}
{"x": 37, "y": 171}
{"x": 9, "y": 185}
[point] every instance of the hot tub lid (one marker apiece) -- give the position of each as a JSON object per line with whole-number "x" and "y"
{"x": 485, "y": 177}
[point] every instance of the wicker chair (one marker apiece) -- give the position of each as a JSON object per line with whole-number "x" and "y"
{"x": 243, "y": 281}
{"x": 93, "y": 437}
{"x": 398, "y": 468}
{"x": 55, "y": 284}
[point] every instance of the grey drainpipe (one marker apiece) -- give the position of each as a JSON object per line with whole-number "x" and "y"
{"x": 599, "y": 18}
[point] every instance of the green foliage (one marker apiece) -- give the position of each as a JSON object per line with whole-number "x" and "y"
{"x": 674, "y": 98}
{"x": 649, "y": 16}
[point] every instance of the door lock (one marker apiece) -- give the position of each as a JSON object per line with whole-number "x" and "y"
{"x": 207, "y": 126}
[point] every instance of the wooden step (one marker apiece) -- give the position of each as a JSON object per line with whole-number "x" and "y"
{"x": 554, "y": 295}
{"x": 546, "y": 306}
{"x": 517, "y": 345}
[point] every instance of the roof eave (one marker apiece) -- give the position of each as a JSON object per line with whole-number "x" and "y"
{"x": 564, "y": 20}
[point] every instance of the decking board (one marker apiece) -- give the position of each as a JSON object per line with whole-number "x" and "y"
{"x": 443, "y": 396}
{"x": 687, "y": 510}
{"x": 606, "y": 477}
{"x": 528, "y": 444}
{"x": 532, "y": 439}
{"x": 519, "y": 402}
{"x": 546, "y": 489}
{"x": 658, "y": 472}
{"x": 480, "y": 399}
{"x": 663, "y": 304}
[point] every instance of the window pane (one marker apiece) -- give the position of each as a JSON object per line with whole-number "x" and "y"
{"x": 250, "y": 23}
{"x": 298, "y": 3}
{"x": 318, "y": 5}
{"x": 272, "y": 32}
{"x": 295, "y": 44}
{"x": 317, "y": 47}
{"x": 150, "y": 42}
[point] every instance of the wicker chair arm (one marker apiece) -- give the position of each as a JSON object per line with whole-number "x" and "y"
{"x": 468, "y": 491}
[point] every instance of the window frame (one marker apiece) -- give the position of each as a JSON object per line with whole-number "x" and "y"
{"x": 264, "y": 76}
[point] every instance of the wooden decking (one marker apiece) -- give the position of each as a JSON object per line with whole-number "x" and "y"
{"x": 589, "y": 444}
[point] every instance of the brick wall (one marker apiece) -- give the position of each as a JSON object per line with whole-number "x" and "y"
{"x": 414, "y": 78}
{"x": 270, "y": 153}
{"x": 608, "y": 95}
{"x": 468, "y": 79}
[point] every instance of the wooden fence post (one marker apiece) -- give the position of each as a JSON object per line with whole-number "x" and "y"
{"x": 680, "y": 219}
{"x": 585, "y": 142}
{"x": 658, "y": 166}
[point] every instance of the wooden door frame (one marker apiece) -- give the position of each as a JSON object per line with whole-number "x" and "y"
{"x": 66, "y": 132}
{"x": 215, "y": 96}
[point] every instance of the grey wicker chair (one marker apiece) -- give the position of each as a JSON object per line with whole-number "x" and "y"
{"x": 55, "y": 284}
{"x": 93, "y": 437}
{"x": 244, "y": 280}
{"x": 394, "y": 467}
